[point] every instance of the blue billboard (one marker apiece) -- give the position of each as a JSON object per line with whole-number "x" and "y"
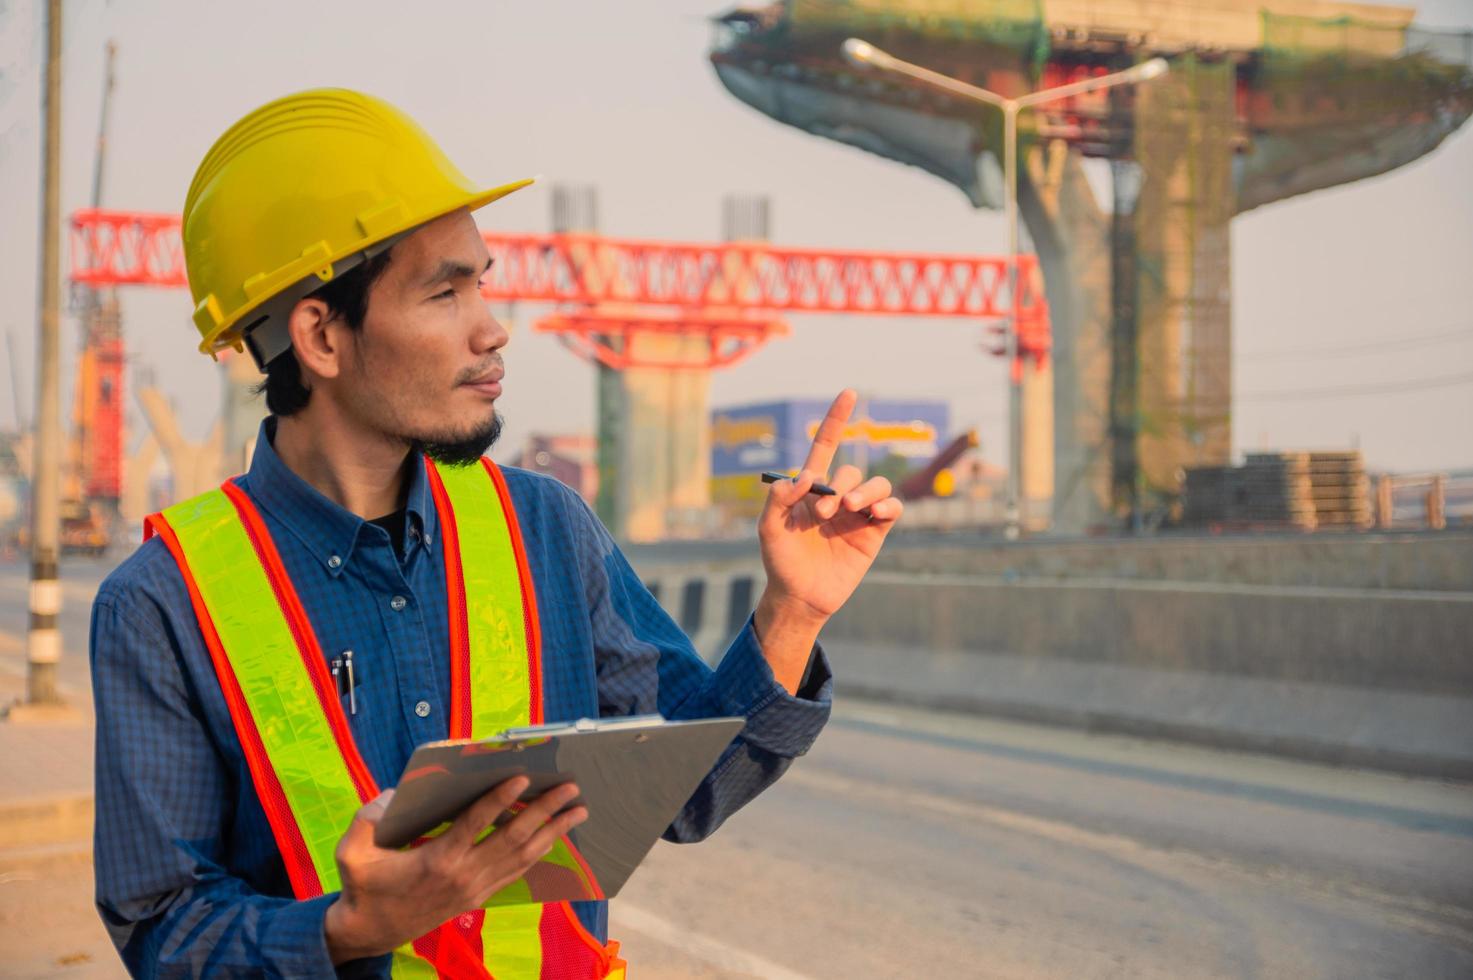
{"x": 776, "y": 435}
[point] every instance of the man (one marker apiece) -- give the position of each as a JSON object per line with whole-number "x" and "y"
{"x": 278, "y": 648}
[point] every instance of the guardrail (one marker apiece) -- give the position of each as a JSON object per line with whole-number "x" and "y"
{"x": 1423, "y": 500}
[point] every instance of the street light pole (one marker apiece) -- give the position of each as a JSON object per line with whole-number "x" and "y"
{"x": 864, "y": 54}
{"x": 1014, "y": 515}
{"x": 43, "y": 641}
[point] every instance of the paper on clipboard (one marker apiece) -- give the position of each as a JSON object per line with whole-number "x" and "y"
{"x": 633, "y": 774}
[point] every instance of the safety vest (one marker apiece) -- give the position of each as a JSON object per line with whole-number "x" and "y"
{"x": 305, "y": 766}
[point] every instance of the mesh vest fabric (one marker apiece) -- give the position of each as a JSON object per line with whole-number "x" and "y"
{"x": 299, "y": 749}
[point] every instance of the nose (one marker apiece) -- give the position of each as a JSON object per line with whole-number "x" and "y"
{"x": 488, "y": 334}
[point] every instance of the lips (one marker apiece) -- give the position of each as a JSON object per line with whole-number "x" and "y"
{"x": 488, "y": 383}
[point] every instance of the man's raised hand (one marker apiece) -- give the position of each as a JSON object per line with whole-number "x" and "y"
{"x": 816, "y": 550}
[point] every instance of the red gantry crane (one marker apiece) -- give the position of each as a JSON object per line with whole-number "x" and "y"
{"x": 621, "y": 302}
{"x": 607, "y": 289}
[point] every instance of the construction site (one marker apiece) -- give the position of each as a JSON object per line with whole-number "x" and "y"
{"x": 1161, "y": 673}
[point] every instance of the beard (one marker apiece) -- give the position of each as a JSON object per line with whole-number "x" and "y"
{"x": 454, "y": 449}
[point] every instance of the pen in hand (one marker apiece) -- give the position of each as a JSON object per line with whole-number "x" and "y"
{"x": 818, "y": 489}
{"x": 822, "y": 489}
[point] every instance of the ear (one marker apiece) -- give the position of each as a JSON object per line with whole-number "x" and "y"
{"x": 317, "y": 337}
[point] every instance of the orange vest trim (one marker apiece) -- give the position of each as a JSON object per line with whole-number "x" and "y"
{"x": 455, "y": 948}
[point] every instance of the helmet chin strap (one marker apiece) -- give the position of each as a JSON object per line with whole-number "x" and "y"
{"x": 267, "y": 336}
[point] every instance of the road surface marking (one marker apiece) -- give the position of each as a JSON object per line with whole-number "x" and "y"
{"x": 705, "y": 948}
{"x": 967, "y": 810}
{"x": 1411, "y": 911}
{"x": 1434, "y": 810}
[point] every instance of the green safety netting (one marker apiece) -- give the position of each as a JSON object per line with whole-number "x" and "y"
{"x": 1338, "y": 75}
{"x": 1013, "y": 26}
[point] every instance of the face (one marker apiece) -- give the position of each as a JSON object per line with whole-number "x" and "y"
{"x": 425, "y": 367}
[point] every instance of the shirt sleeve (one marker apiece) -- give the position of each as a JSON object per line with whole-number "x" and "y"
{"x": 164, "y": 803}
{"x": 647, "y": 664}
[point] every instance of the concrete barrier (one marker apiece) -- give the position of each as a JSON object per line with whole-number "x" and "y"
{"x": 1414, "y": 641}
{"x": 1440, "y": 561}
{"x": 711, "y": 601}
{"x": 1351, "y": 674}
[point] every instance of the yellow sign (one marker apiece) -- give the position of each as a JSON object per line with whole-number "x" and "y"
{"x": 881, "y": 432}
{"x": 729, "y": 433}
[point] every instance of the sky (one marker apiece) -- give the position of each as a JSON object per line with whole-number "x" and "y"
{"x": 1352, "y": 306}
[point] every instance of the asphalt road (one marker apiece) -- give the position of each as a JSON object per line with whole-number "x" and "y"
{"x": 911, "y": 844}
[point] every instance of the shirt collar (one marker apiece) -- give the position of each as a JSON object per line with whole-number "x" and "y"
{"x": 327, "y": 529}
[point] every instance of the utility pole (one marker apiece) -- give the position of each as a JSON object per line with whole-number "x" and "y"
{"x": 43, "y": 643}
{"x": 20, "y": 415}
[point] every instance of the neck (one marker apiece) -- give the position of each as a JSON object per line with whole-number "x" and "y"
{"x": 364, "y": 472}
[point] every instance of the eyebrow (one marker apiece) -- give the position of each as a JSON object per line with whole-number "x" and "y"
{"x": 450, "y": 269}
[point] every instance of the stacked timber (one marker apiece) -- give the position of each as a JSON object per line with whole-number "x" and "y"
{"x": 1274, "y": 490}
{"x": 1300, "y": 491}
{"x": 1340, "y": 490}
{"x": 1207, "y": 497}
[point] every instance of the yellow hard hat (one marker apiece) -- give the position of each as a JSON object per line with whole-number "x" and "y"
{"x": 299, "y": 191}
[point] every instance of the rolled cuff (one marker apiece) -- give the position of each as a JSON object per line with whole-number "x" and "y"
{"x": 295, "y": 945}
{"x": 778, "y": 722}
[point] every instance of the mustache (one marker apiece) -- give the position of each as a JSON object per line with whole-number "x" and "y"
{"x": 480, "y": 370}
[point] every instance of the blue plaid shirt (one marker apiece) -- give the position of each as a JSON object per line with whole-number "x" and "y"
{"x": 189, "y": 880}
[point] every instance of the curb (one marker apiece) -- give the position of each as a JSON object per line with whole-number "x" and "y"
{"x": 1081, "y": 719}
{"x": 19, "y": 864}
{"x": 42, "y": 822}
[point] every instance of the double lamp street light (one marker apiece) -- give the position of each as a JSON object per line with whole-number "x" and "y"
{"x": 866, "y": 55}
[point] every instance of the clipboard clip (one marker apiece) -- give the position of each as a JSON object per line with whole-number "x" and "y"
{"x": 583, "y": 726}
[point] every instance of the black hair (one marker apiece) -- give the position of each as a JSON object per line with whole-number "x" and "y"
{"x": 346, "y": 295}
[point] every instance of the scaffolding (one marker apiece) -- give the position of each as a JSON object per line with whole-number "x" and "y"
{"x": 1171, "y": 274}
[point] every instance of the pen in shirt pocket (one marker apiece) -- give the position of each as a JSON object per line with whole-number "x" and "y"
{"x": 345, "y": 678}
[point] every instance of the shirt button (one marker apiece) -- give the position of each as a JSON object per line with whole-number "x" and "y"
{"x": 422, "y": 709}
{"x": 334, "y": 562}
{"x": 397, "y": 603}
{"x": 413, "y": 534}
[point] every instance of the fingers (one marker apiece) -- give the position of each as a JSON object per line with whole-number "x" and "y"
{"x": 545, "y": 835}
{"x": 830, "y": 433}
{"x": 511, "y": 862}
{"x": 886, "y": 511}
{"x": 483, "y": 813}
{"x": 785, "y": 494}
{"x": 867, "y": 494}
{"x": 845, "y": 480}
{"x": 530, "y": 821}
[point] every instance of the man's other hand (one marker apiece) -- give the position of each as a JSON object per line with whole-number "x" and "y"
{"x": 390, "y": 897}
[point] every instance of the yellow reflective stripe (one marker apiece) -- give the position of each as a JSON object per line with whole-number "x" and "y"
{"x": 512, "y": 939}
{"x": 500, "y": 678}
{"x": 500, "y": 685}
{"x": 268, "y": 667}
{"x": 408, "y": 965}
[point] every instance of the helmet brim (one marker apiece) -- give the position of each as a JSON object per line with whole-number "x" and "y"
{"x": 231, "y": 333}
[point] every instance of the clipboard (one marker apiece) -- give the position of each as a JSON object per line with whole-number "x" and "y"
{"x": 634, "y": 774}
